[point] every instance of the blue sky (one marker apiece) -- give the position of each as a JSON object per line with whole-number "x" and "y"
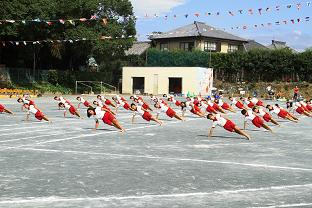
{"x": 298, "y": 36}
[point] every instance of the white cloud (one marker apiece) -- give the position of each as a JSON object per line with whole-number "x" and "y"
{"x": 151, "y": 7}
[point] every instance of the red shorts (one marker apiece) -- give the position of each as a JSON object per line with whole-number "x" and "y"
{"x": 123, "y": 99}
{"x": 171, "y": 113}
{"x": 39, "y": 115}
{"x": 177, "y": 103}
{"x": 72, "y": 110}
{"x": 215, "y": 106}
{"x": 147, "y": 116}
{"x": 229, "y": 126}
{"x": 300, "y": 110}
{"x": 86, "y": 103}
{"x": 145, "y": 106}
{"x": 309, "y": 107}
{"x": 126, "y": 106}
{"x": 210, "y": 109}
{"x": 108, "y": 102}
{"x": 31, "y": 102}
{"x": 283, "y": 113}
{"x": 251, "y": 105}
{"x": 258, "y": 122}
{"x": 108, "y": 118}
{"x": 1, "y": 108}
{"x": 267, "y": 117}
{"x": 225, "y": 106}
{"x": 259, "y": 103}
{"x": 239, "y": 105}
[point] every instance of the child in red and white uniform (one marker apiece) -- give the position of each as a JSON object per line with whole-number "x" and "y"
{"x": 282, "y": 113}
{"x": 60, "y": 99}
{"x": 301, "y": 110}
{"x": 70, "y": 108}
{"x": 239, "y": 104}
{"x": 304, "y": 105}
{"x": 25, "y": 100}
{"x": 211, "y": 102}
{"x": 105, "y": 101}
{"x": 4, "y": 109}
{"x": 256, "y": 120}
{"x": 142, "y": 103}
{"x": 33, "y": 110}
{"x": 172, "y": 99}
{"x": 102, "y": 105}
{"x": 144, "y": 113}
{"x": 83, "y": 101}
{"x": 265, "y": 115}
{"x": 224, "y": 105}
{"x": 133, "y": 97}
{"x": 169, "y": 111}
{"x": 227, "y": 124}
{"x": 207, "y": 107}
{"x": 195, "y": 109}
{"x": 256, "y": 101}
{"x": 121, "y": 102}
{"x": 248, "y": 103}
{"x": 106, "y": 116}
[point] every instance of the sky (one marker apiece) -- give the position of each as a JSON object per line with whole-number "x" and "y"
{"x": 297, "y": 36}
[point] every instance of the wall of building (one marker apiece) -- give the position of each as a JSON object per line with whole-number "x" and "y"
{"x": 224, "y": 47}
{"x": 192, "y": 79}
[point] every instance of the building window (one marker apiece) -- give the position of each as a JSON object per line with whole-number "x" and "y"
{"x": 210, "y": 46}
{"x": 164, "y": 47}
{"x": 187, "y": 46}
{"x": 233, "y": 48}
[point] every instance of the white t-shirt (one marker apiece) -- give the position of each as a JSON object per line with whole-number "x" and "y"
{"x": 99, "y": 113}
{"x": 234, "y": 101}
{"x": 32, "y": 110}
{"x": 276, "y": 110}
{"x": 250, "y": 116}
{"x": 254, "y": 100}
{"x": 261, "y": 112}
{"x": 163, "y": 107}
{"x": 220, "y": 121}
{"x": 25, "y": 101}
{"x": 82, "y": 100}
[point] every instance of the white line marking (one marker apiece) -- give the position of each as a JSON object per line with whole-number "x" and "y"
{"x": 169, "y": 159}
{"x": 25, "y": 132}
{"x": 287, "y": 205}
{"x": 148, "y": 197}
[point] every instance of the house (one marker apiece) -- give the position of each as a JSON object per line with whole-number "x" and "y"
{"x": 199, "y": 36}
{"x": 280, "y": 45}
{"x": 253, "y": 45}
{"x": 138, "y": 48}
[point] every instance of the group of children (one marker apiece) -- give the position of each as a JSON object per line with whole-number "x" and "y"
{"x": 213, "y": 108}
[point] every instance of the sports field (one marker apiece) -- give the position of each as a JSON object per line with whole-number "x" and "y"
{"x": 66, "y": 164}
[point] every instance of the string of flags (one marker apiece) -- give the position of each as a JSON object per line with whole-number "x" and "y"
{"x": 39, "y": 42}
{"x": 103, "y": 21}
{"x": 252, "y": 11}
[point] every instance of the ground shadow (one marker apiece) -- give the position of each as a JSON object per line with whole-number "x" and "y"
{"x": 223, "y": 137}
{"x": 99, "y": 129}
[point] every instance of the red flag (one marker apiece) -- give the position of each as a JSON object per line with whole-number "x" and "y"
{"x": 250, "y": 11}
{"x": 197, "y": 14}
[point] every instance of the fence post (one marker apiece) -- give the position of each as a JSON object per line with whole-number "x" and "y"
{"x": 76, "y": 91}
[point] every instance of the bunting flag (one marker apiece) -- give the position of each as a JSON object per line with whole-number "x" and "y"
{"x": 250, "y": 11}
{"x": 39, "y": 42}
{"x": 51, "y": 22}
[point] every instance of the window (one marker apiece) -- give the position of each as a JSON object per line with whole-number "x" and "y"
{"x": 210, "y": 46}
{"x": 233, "y": 48}
{"x": 187, "y": 46}
{"x": 164, "y": 47}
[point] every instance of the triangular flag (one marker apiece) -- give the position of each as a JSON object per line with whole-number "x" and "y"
{"x": 82, "y": 19}
{"x": 285, "y": 22}
{"x": 255, "y": 26}
{"x": 262, "y": 25}
{"x": 104, "y": 21}
{"x": 62, "y": 21}
{"x": 3, "y": 43}
{"x": 277, "y": 23}
{"x": 25, "y": 43}
{"x": 23, "y": 21}
{"x": 175, "y": 16}
{"x": 298, "y": 6}
{"x": 292, "y": 21}
{"x": 17, "y": 43}
{"x": 10, "y": 21}
{"x": 277, "y": 8}
{"x": 49, "y": 23}
{"x": 298, "y": 20}
{"x": 309, "y": 3}
{"x": 197, "y": 14}
{"x": 289, "y": 6}
{"x": 240, "y": 11}
{"x": 93, "y": 17}
{"x": 36, "y": 20}
{"x": 71, "y": 22}
{"x": 307, "y": 19}
{"x": 244, "y": 27}
{"x": 267, "y": 9}
{"x": 231, "y": 13}
{"x": 269, "y": 24}
{"x": 260, "y": 11}
{"x": 186, "y": 15}
{"x": 218, "y": 13}
{"x": 250, "y": 11}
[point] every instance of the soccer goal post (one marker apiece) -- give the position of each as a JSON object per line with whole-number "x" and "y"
{"x": 94, "y": 87}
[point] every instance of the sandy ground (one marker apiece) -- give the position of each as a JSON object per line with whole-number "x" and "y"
{"x": 66, "y": 164}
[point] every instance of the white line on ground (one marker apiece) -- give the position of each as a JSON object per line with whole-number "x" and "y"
{"x": 169, "y": 159}
{"x": 148, "y": 197}
{"x": 287, "y": 205}
{"x": 24, "y": 132}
